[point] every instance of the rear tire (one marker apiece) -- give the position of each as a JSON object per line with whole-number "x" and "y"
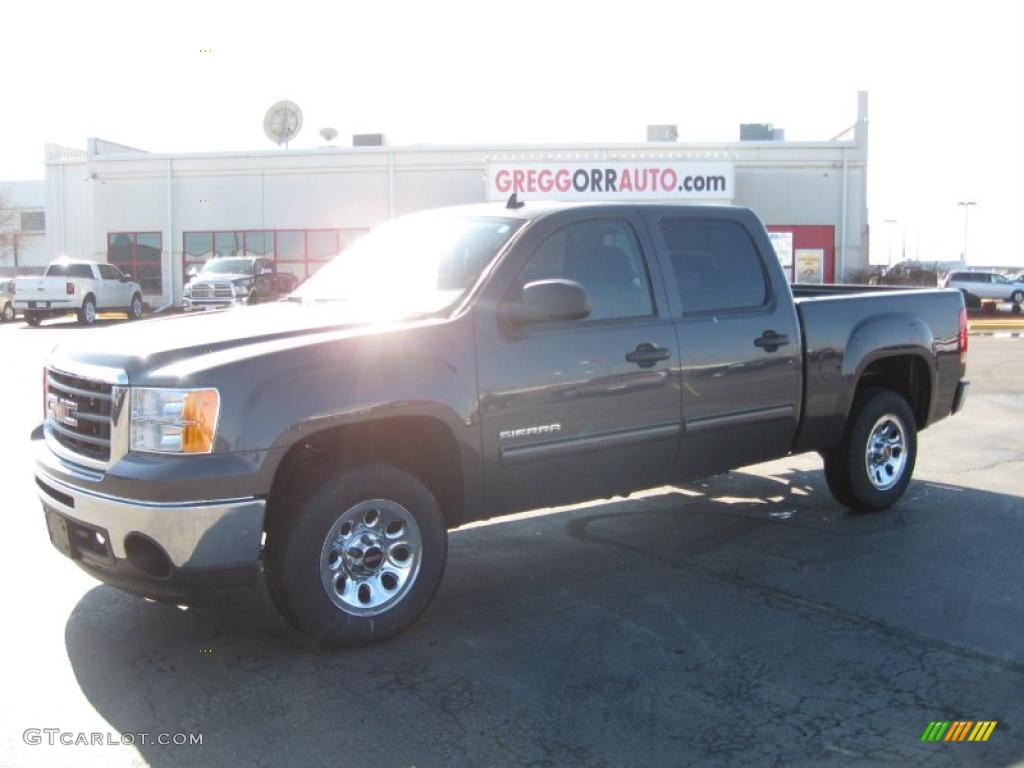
{"x": 872, "y": 467}
{"x": 87, "y": 314}
{"x": 33, "y": 319}
{"x": 360, "y": 559}
{"x": 135, "y": 308}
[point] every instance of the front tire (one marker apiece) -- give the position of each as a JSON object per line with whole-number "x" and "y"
{"x": 360, "y": 559}
{"x": 872, "y": 467}
{"x": 1017, "y": 297}
{"x": 87, "y": 314}
{"x": 8, "y": 313}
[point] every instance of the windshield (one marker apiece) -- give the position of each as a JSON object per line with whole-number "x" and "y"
{"x": 414, "y": 265}
{"x": 227, "y": 267}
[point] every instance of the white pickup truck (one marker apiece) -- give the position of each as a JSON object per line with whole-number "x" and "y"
{"x": 82, "y": 287}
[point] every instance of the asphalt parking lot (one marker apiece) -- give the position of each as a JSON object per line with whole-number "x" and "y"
{"x": 744, "y": 620}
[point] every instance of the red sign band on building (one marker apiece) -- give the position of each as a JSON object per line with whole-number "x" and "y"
{"x": 604, "y": 180}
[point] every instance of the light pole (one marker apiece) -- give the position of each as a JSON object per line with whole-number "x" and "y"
{"x": 890, "y": 222}
{"x": 966, "y": 206}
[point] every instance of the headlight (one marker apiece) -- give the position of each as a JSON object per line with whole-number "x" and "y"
{"x": 174, "y": 420}
{"x": 188, "y": 289}
{"x": 241, "y": 287}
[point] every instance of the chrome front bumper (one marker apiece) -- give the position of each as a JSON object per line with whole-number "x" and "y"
{"x": 209, "y": 533}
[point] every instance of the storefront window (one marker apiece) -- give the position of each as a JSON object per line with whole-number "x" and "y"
{"x": 300, "y": 252}
{"x": 291, "y": 245}
{"x": 259, "y": 243}
{"x": 138, "y": 254}
{"x": 227, "y": 244}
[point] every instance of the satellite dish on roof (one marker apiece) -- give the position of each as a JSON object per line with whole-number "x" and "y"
{"x": 328, "y": 134}
{"x": 283, "y": 122}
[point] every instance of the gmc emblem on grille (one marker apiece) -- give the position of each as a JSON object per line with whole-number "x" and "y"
{"x": 61, "y": 410}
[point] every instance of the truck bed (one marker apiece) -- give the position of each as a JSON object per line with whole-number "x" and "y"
{"x": 845, "y": 327}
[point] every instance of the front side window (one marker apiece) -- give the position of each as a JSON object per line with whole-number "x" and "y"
{"x": 108, "y": 272}
{"x": 715, "y": 263}
{"x": 604, "y": 257}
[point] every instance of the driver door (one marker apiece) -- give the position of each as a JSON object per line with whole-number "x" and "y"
{"x": 569, "y": 410}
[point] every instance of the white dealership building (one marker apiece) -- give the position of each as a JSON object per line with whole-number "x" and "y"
{"x": 157, "y": 214}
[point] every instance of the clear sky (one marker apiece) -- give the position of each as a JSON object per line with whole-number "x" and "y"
{"x": 946, "y": 85}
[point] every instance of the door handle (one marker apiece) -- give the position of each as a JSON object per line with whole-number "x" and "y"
{"x": 646, "y": 355}
{"x": 769, "y": 341}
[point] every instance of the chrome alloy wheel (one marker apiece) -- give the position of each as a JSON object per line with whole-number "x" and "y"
{"x": 885, "y": 456}
{"x": 371, "y": 557}
{"x": 90, "y": 312}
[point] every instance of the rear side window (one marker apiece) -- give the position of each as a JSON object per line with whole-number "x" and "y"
{"x": 604, "y": 257}
{"x": 715, "y": 263}
{"x": 69, "y": 270}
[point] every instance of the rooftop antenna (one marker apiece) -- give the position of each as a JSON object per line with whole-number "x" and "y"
{"x": 514, "y": 202}
{"x": 283, "y": 122}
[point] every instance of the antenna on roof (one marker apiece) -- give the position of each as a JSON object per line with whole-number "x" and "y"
{"x": 514, "y": 202}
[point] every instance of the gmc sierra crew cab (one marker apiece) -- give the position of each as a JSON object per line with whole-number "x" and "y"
{"x": 464, "y": 363}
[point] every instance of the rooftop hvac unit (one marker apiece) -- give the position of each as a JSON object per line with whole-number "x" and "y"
{"x": 662, "y": 133}
{"x": 368, "y": 140}
{"x": 756, "y": 132}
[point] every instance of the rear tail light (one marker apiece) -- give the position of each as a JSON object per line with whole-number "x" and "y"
{"x": 13, "y": 286}
{"x": 70, "y": 288}
{"x": 962, "y": 340}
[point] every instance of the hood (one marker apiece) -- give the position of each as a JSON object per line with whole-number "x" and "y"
{"x": 219, "y": 337}
{"x": 226, "y": 277}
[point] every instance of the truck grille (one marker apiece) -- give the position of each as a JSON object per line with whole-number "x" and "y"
{"x": 212, "y": 291}
{"x": 78, "y": 413}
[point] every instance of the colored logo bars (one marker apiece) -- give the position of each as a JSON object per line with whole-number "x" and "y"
{"x": 958, "y": 730}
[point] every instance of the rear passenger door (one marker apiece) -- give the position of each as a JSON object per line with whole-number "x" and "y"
{"x": 739, "y": 338}
{"x": 572, "y": 410}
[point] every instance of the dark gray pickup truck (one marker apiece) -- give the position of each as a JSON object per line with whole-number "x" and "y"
{"x": 465, "y": 363}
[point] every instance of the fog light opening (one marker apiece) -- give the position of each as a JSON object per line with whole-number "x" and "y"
{"x": 147, "y": 556}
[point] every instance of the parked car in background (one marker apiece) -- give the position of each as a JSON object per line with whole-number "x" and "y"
{"x": 7, "y": 312}
{"x": 928, "y": 274}
{"x": 986, "y": 285}
{"x": 81, "y": 287}
{"x": 225, "y": 282}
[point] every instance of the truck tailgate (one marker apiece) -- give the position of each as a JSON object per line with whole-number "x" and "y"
{"x": 43, "y": 289}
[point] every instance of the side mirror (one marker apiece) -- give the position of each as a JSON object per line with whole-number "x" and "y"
{"x": 548, "y": 301}
{"x": 126, "y": 277}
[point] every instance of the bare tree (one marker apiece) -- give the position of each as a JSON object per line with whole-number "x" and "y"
{"x": 8, "y": 229}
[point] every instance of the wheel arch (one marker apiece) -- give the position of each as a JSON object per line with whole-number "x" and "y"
{"x": 895, "y": 352}
{"x": 422, "y": 445}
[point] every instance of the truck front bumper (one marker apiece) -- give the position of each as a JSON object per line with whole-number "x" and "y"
{"x": 175, "y": 551}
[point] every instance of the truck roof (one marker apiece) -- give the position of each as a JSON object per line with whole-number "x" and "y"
{"x": 532, "y": 209}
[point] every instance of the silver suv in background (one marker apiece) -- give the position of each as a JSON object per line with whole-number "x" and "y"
{"x": 986, "y": 285}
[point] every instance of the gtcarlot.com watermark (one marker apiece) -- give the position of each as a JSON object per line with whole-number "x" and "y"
{"x": 56, "y": 736}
